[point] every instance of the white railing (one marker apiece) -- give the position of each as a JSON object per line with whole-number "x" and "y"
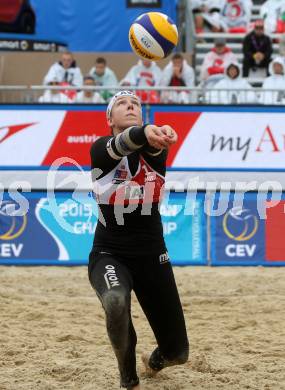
{"x": 22, "y": 94}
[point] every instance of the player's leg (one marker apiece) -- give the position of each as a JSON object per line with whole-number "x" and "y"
{"x": 113, "y": 283}
{"x": 159, "y": 298}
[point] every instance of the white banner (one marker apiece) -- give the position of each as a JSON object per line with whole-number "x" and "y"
{"x": 228, "y": 139}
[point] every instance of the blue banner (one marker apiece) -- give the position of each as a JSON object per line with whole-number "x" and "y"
{"x": 88, "y": 25}
{"x": 238, "y": 231}
{"x": 184, "y": 229}
{"x": 59, "y": 229}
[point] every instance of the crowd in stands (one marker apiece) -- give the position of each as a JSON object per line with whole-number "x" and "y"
{"x": 234, "y": 16}
{"x": 178, "y": 73}
{"x": 222, "y": 79}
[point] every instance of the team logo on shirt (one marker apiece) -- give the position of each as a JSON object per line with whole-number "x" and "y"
{"x": 150, "y": 176}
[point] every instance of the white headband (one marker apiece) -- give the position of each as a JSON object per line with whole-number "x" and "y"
{"x": 115, "y": 97}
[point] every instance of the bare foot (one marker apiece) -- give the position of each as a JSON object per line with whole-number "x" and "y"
{"x": 148, "y": 370}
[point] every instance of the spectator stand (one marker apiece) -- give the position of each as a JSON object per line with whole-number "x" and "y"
{"x": 200, "y": 44}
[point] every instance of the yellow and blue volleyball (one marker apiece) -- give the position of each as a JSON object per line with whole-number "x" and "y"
{"x": 153, "y": 36}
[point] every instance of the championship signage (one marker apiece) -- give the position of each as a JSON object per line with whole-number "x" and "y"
{"x": 239, "y": 235}
{"x": 246, "y": 230}
{"x": 64, "y": 224}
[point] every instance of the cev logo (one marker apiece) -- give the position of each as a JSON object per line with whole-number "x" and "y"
{"x": 15, "y": 224}
{"x": 239, "y": 224}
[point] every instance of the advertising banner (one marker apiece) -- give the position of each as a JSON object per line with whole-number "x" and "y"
{"x": 208, "y": 139}
{"x": 49, "y": 133}
{"x": 247, "y": 231}
{"x": 58, "y": 229}
{"x": 225, "y": 137}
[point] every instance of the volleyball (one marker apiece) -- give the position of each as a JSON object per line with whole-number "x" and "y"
{"x": 153, "y": 36}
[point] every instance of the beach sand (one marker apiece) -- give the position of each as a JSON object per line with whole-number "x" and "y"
{"x": 53, "y": 333}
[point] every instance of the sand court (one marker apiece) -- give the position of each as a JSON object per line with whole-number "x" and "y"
{"x": 53, "y": 333}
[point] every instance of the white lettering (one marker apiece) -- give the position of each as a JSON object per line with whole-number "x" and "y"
{"x": 110, "y": 277}
{"x": 169, "y": 227}
{"x": 80, "y": 227}
{"x": 75, "y": 210}
{"x": 240, "y": 250}
{"x": 170, "y": 210}
{"x": 9, "y": 250}
{"x": 229, "y": 250}
{"x": 250, "y": 249}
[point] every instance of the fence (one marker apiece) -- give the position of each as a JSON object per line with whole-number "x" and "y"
{"x": 23, "y": 94}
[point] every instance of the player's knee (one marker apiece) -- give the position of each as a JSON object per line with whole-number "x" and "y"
{"x": 115, "y": 304}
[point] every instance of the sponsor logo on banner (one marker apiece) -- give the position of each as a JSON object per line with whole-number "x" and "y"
{"x": 30, "y": 45}
{"x": 78, "y": 131}
{"x": 8, "y": 131}
{"x": 18, "y": 232}
{"x": 239, "y": 234}
{"x": 226, "y": 139}
{"x": 56, "y": 133}
{"x": 267, "y": 142}
{"x": 11, "y": 228}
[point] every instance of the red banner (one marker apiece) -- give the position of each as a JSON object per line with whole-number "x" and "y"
{"x": 275, "y": 228}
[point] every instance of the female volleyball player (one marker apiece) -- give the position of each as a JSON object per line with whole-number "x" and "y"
{"x": 129, "y": 252}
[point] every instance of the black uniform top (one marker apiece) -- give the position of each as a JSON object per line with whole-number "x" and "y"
{"x": 128, "y": 188}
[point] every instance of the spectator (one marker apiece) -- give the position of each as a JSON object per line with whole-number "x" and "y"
{"x": 104, "y": 77}
{"x": 233, "y": 89}
{"x": 206, "y": 15}
{"x": 273, "y": 13}
{"x": 89, "y": 95}
{"x": 54, "y": 95}
{"x": 144, "y": 73}
{"x": 275, "y": 81}
{"x": 65, "y": 71}
{"x": 235, "y": 15}
{"x": 257, "y": 50}
{"x": 178, "y": 73}
{"x": 216, "y": 60}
